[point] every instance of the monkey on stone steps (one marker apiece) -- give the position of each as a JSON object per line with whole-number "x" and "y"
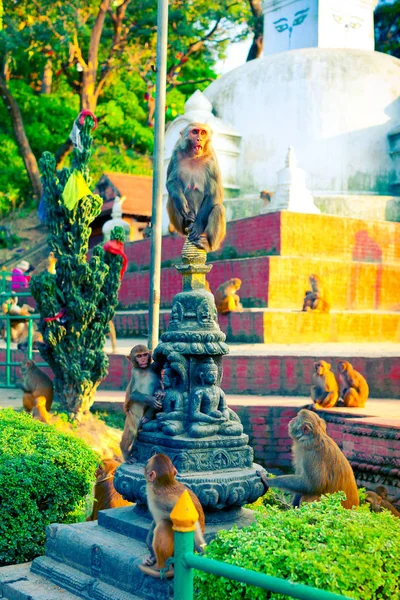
{"x": 226, "y": 298}
{"x": 105, "y": 494}
{"x": 325, "y": 388}
{"x": 163, "y": 492}
{"x": 354, "y": 387}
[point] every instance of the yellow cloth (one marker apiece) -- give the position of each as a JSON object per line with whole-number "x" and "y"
{"x": 75, "y": 189}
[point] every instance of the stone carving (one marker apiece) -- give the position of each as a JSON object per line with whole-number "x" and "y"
{"x": 177, "y": 312}
{"x": 208, "y": 411}
{"x": 206, "y": 313}
{"x": 171, "y": 420}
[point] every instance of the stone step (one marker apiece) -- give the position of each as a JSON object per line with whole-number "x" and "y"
{"x": 281, "y": 282}
{"x": 18, "y": 582}
{"x": 95, "y": 562}
{"x": 291, "y": 234}
{"x": 281, "y": 326}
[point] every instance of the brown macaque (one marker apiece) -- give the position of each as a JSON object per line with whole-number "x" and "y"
{"x": 142, "y": 398}
{"x": 195, "y": 191}
{"x": 105, "y": 494}
{"x": 163, "y": 492}
{"x": 314, "y": 298}
{"x": 320, "y": 466}
{"x": 48, "y": 264}
{"x": 354, "y": 388}
{"x": 18, "y": 327}
{"x": 266, "y": 196}
{"x": 35, "y": 383}
{"x": 325, "y": 388}
{"x": 377, "y": 501}
{"x": 37, "y": 339}
{"x": 226, "y": 299}
{"x": 39, "y": 410}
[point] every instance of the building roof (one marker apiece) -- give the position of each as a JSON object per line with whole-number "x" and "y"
{"x": 136, "y": 188}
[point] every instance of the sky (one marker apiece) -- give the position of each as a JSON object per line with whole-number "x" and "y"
{"x": 236, "y": 56}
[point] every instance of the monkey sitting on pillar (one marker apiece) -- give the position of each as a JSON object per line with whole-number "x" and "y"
{"x": 105, "y": 494}
{"x": 163, "y": 492}
{"x": 226, "y": 299}
{"x": 142, "y": 398}
{"x": 354, "y": 387}
{"x": 195, "y": 190}
{"x": 35, "y": 383}
{"x": 320, "y": 466}
{"x": 314, "y": 299}
{"x": 325, "y": 388}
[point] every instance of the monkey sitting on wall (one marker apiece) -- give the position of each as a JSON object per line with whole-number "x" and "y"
{"x": 354, "y": 388}
{"x": 195, "y": 191}
{"x": 105, "y": 494}
{"x": 142, "y": 398}
{"x": 320, "y": 466}
{"x": 378, "y": 500}
{"x": 226, "y": 299}
{"x": 35, "y": 383}
{"x": 314, "y": 299}
{"x": 163, "y": 492}
{"x": 325, "y": 388}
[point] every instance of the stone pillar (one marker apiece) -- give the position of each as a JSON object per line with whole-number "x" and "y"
{"x": 291, "y": 193}
{"x": 196, "y": 429}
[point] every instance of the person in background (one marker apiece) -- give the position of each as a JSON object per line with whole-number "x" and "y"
{"x": 18, "y": 277}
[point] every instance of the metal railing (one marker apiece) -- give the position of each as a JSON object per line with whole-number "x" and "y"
{"x": 9, "y": 363}
{"x": 6, "y": 286}
{"x": 184, "y": 517}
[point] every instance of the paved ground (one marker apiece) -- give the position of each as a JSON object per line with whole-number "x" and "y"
{"x": 366, "y": 349}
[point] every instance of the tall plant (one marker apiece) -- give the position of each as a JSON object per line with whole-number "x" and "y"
{"x": 78, "y": 302}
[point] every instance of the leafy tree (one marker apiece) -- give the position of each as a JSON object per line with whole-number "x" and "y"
{"x": 387, "y": 28}
{"x": 77, "y": 304}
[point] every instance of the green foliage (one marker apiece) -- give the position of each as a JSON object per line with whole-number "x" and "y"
{"x": 387, "y": 28}
{"x": 45, "y": 476}
{"x": 111, "y": 419}
{"x": 350, "y": 552}
{"x": 84, "y": 294}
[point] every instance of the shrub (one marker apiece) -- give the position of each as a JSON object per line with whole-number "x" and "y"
{"x": 45, "y": 476}
{"x": 350, "y": 552}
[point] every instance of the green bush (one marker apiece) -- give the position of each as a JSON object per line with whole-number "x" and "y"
{"x": 354, "y": 553}
{"x": 45, "y": 477}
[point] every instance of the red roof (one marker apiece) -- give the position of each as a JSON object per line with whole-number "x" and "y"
{"x": 136, "y": 188}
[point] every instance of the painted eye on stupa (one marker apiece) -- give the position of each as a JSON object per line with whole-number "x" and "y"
{"x": 300, "y": 16}
{"x": 281, "y": 25}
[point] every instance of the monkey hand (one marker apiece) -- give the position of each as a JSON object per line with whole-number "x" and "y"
{"x": 155, "y": 403}
{"x": 264, "y": 479}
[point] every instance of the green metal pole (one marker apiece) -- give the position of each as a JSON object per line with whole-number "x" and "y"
{"x": 266, "y": 582}
{"x": 183, "y": 575}
{"x": 30, "y": 329}
{"x": 8, "y": 353}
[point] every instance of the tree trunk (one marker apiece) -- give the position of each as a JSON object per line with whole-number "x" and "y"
{"x": 47, "y": 78}
{"x": 21, "y": 139}
{"x": 74, "y": 398}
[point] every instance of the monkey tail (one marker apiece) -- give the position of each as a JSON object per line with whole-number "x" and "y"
{"x": 166, "y": 573}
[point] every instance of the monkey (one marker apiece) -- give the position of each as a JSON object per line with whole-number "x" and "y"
{"x": 37, "y": 339}
{"x": 325, "y": 388}
{"x": 226, "y": 299}
{"x": 105, "y": 494}
{"x": 35, "y": 383}
{"x": 320, "y": 466}
{"x": 18, "y": 327}
{"x": 314, "y": 298}
{"x": 195, "y": 190}
{"x": 48, "y": 264}
{"x": 266, "y": 197}
{"x": 39, "y": 410}
{"x": 163, "y": 492}
{"x": 377, "y": 503}
{"x": 142, "y": 398}
{"x": 354, "y": 388}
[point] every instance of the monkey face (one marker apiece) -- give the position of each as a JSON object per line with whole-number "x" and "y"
{"x": 306, "y": 426}
{"x": 343, "y": 366}
{"x": 198, "y": 137}
{"x": 321, "y": 367}
{"x": 140, "y": 356}
{"x": 142, "y": 359}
